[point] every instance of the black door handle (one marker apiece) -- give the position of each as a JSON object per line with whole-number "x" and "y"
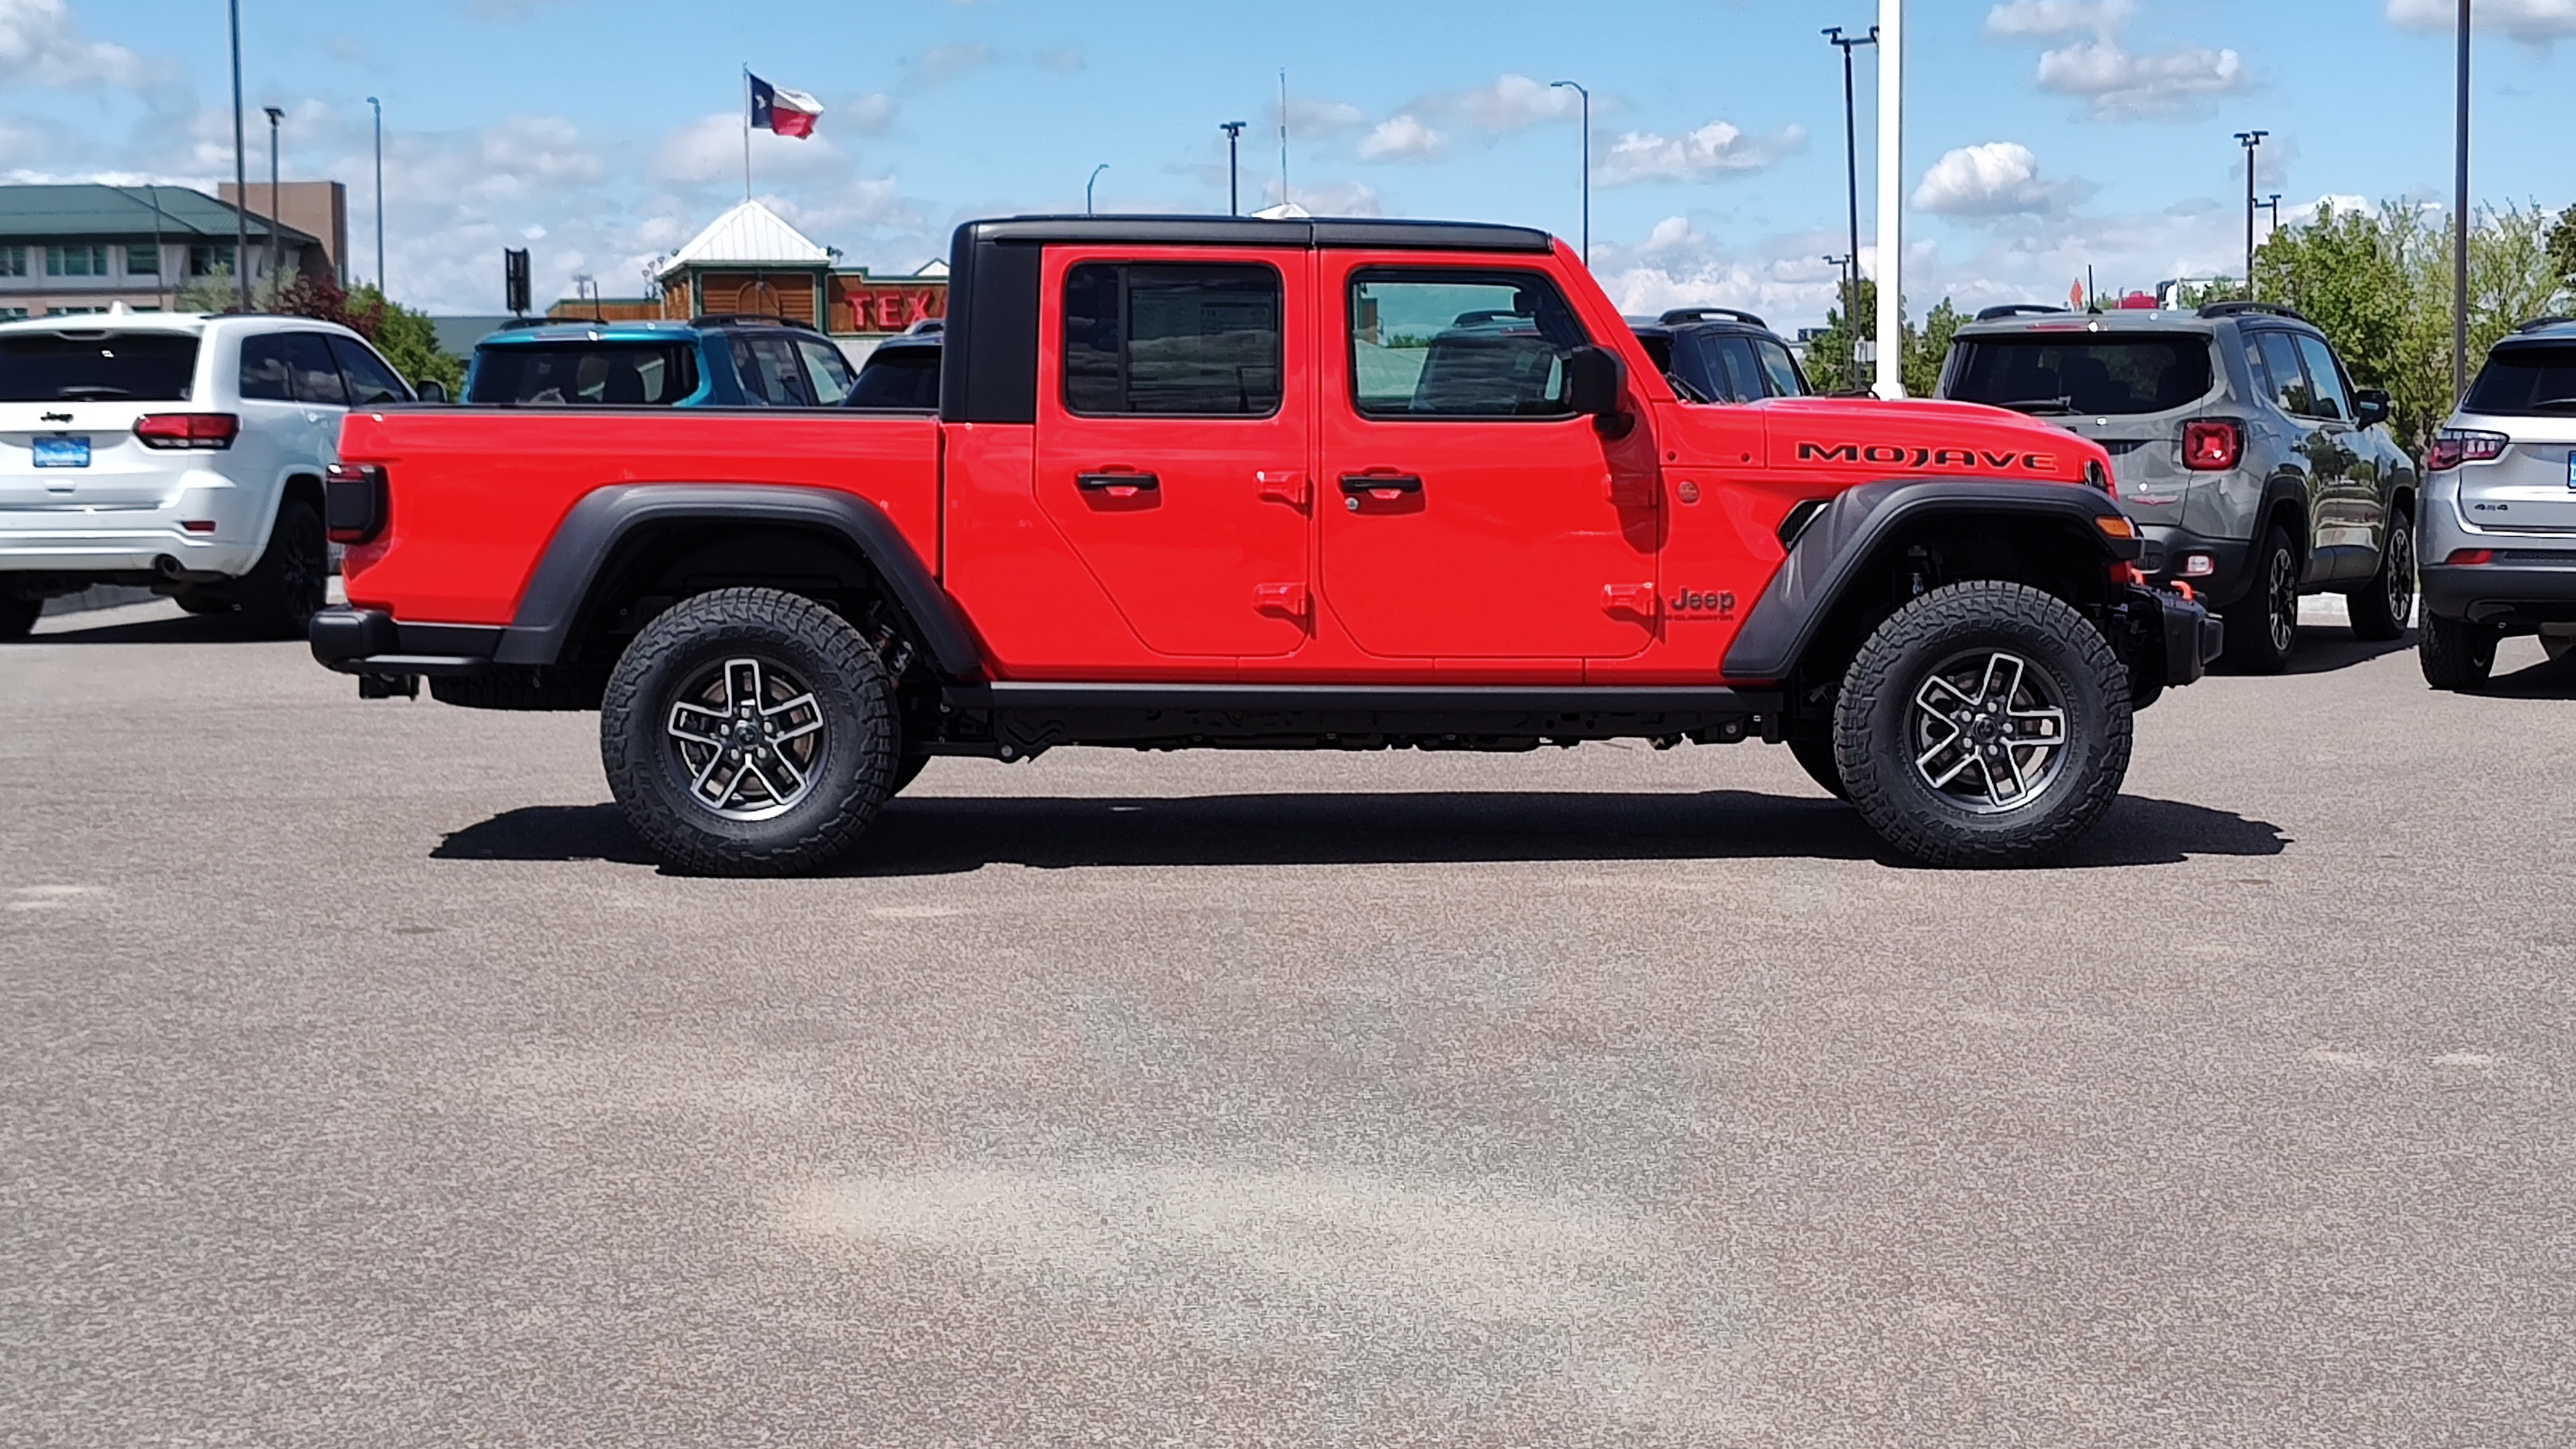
{"x": 1095, "y": 482}
{"x": 1356, "y": 484}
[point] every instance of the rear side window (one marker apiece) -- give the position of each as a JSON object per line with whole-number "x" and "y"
{"x": 585, "y": 374}
{"x": 370, "y": 381}
{"x": 1431, "y": 343}
{"x": 898, "y": 377}
{"x": 769, "y": 372}
{"x": 316, "y": 374}
{"x": 2527, "y": 381}
{"x": 2088, "y": 373}
{"x": 53, "y": 366}
{"x": 263, "y": 369}
{"x": 1183, "y": 339}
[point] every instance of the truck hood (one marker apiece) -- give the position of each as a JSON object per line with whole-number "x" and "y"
{"x": 1879, "y": 439}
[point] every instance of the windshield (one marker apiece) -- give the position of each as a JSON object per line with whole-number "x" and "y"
{"x": 2090, "y": 373}
{"x": 898, "y": 377}
{"x": 585, "y": 374}
{"x": 2525, "y": 380}
{"x": 68, "y": 367}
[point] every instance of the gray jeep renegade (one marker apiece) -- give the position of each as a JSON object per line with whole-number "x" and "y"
{"x": 2255, "y": 469}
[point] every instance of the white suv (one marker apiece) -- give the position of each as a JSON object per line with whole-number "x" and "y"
{"x": 2499, "y": 554}
{"x": 180, "y": 452}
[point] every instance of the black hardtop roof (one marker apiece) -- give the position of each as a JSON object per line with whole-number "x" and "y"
{"x": 1303, "y": 232}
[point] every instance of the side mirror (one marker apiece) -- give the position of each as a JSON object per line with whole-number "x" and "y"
{"x": 431, "y": 390}
{"x": 1594, "y": 381}
{"x": 2369, "y": 406}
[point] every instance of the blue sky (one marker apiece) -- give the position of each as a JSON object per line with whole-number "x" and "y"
{"x": 2043, "y": 135}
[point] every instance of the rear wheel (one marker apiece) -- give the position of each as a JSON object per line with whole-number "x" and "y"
{"x": 2381, "y": 607}
{"x": 2264, "y": 625}
{"x": 1984, "y": 723}
{"x": 18, "y": 616}
{"x": 198, "y": 601}
{"x": 748, "y": 732}
{"x": 907, "y": 770}
{"x": 287, "y": 587}
{"x": 2455, "y": 653}
{"x": 1814, "y": 751}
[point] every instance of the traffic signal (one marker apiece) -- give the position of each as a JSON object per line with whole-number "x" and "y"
{"x": 514, "y": 280}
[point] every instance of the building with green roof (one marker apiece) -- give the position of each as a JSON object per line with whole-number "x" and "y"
{"x": 85, "y": 247}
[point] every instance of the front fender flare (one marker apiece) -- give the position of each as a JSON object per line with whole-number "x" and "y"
{"x": 551, "y": 605}
{"x": 1828, "y": 553}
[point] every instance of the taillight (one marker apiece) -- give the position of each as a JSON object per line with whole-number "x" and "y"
{"x": 2454, "y": 446}
{"x": 204, "y": 432}
{"x": 2212, "y": 446}
{"x": 354, "y": 502}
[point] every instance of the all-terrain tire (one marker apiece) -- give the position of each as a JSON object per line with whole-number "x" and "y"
{"x": 18, "y": 616}
{"x": 760, "y": 810}
{"x": 906, "y": 770}
{"x": 291, "y": 581}
{"x": 2380, "y": 608}
{"x": 1813, "y": 749}
{"x": 2263, "y": 626}
{"x": 2060, "y": 680}
{"x": 2455, "y": 653}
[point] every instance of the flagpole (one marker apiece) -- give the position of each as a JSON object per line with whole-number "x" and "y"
{"x": 746, "y": 130}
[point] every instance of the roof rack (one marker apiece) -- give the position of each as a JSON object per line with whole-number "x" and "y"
{"x": 2537, "y": 323}
{"x": 756, "y": 319}
{"x": 2238, "y": 309}
{"x": 2016, "y": 309}
{"x": 1679, "y": 315}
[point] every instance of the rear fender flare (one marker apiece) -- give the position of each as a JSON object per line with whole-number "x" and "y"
{"x": 1826, "y": 560}
{"x": 550, "y": 607}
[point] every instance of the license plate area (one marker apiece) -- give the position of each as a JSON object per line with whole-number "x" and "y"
{"x": 62, "y": 452}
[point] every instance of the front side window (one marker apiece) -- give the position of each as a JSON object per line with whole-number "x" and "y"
{"x": 2106, "y": 375}
{"x": 1438, "y": 343}
{"x": 2325, "y": 377}
{"x": 118, "y": 367}
{"x": 1739, "y": 377}
{"x": 769, "y": 373}
{"x": 317, "y": 376}
{"x": 370, "y": 381}
{"x": 1177, "y": 339}
{"x": 264, "y": 374}
{"x": 1781, "y": 368}
{"x": 827, "y": 369}
{"x": 598, "y": 374}
{"x": 2289, "y": 379}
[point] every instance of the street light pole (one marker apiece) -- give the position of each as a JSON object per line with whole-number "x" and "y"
{"x": 2249, "y": 140}
{"x": 1233, "y": 166}
{"x": 2460, "y": 227}
{"x": 380, "y": 194}
{"x": 1890, "y": 381}
{"x": 1086, "y": 186}
{"x": 1851, "y": 178}
{"x": 1587, "y": 162}
{"x": 2271, "y": 214}
{"x": 276, "y": 243}
{"x": 241, "y": 176}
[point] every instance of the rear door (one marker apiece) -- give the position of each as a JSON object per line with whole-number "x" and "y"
{"x": 1175, "y": 441}
{"x": 2312, "y": 452}
{"x": 2352, "y": 491}
{"x": 1469, "y": 512}
{"x": 321, "y": 393}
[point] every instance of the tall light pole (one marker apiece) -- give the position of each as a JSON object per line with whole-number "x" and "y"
{"x": 276, "y": 243}
{"x": 2460, "y": 227}
{"x": 1891, "y": 199}
{"x": 380, "y": 194}
{"x": 1233, "y": 166}
{"x": 1086, "y": 186}
{"x": 241, "y": 176}
{"x": 2272, "y": 215}
{"x": 1851, "y": 177}
{"x": 1587, "y": 162}
{"x": 2250, "y": 140}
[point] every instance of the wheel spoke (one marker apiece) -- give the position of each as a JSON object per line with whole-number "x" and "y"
{"x": 738, "y": 749}
{"x": 1924, "y": 701}
{"x": 1942, "y": 781}
{"x": 2053, "y": 721}
{"x": 697, "y": 724}
{"x": 1987, "y": 690}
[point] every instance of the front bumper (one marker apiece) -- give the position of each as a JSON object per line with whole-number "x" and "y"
{"x": 2522, "y": 586}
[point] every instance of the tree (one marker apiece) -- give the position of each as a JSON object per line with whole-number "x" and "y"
{"x": 1925, "y": 354}
{"x": 1829, "y": 351}
{"x": 2561, "y": 242}
{"x": 406, "y": 338}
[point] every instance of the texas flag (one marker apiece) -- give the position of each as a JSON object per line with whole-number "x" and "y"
{"x": 789, "y": 113}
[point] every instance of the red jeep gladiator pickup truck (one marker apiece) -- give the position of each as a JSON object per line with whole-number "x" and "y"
{"x": 1265, "y": 485}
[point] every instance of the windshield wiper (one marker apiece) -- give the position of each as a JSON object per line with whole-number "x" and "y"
{"x": 2555, "y": 405}
{"x": 2039, "y": 404}
{"x": 91, "y": 390}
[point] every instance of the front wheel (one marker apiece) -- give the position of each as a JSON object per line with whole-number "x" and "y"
{"x": 1984, "y": 723}
{"x": 2381, "y": 607}
{"x": 748, "y": 732}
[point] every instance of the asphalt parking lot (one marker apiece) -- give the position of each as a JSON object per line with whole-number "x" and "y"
{"x": 361, "y": 1083}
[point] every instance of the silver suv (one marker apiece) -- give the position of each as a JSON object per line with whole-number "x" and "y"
{"x": 2238, "y": 443}
{"x": 2500, "y": 510}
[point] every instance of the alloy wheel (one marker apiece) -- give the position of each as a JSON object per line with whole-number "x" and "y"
{"x": 2401, "y": 573}
{"x": 748, "y": 736}
{"x": 2282, "y": 605}
{"x": 1988, "y": 731}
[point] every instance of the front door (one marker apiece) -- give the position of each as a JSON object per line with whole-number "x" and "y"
{"x": 1468, "y": 512}
{"x": 1173, "y": 441}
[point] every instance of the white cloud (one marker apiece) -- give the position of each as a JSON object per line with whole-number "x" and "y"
{"x": 41, "y": 42}
{"x": 2121, "y": 84}
{"x": 947, "y": 62}
{"x": 2020, "y": 18}
{"x": 1716, "y": 149}
{"x": 1330, "y": 198}
{"x": 709, "y": 149}
{"x": 870, "y": 115}
{"x": 1319, "y": 118}
{"x": 1402, "y": 138}
{"x": 1999, "y": 178}
{"x": 1514, "y": 102}
{"x": 2533, "y": 22}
